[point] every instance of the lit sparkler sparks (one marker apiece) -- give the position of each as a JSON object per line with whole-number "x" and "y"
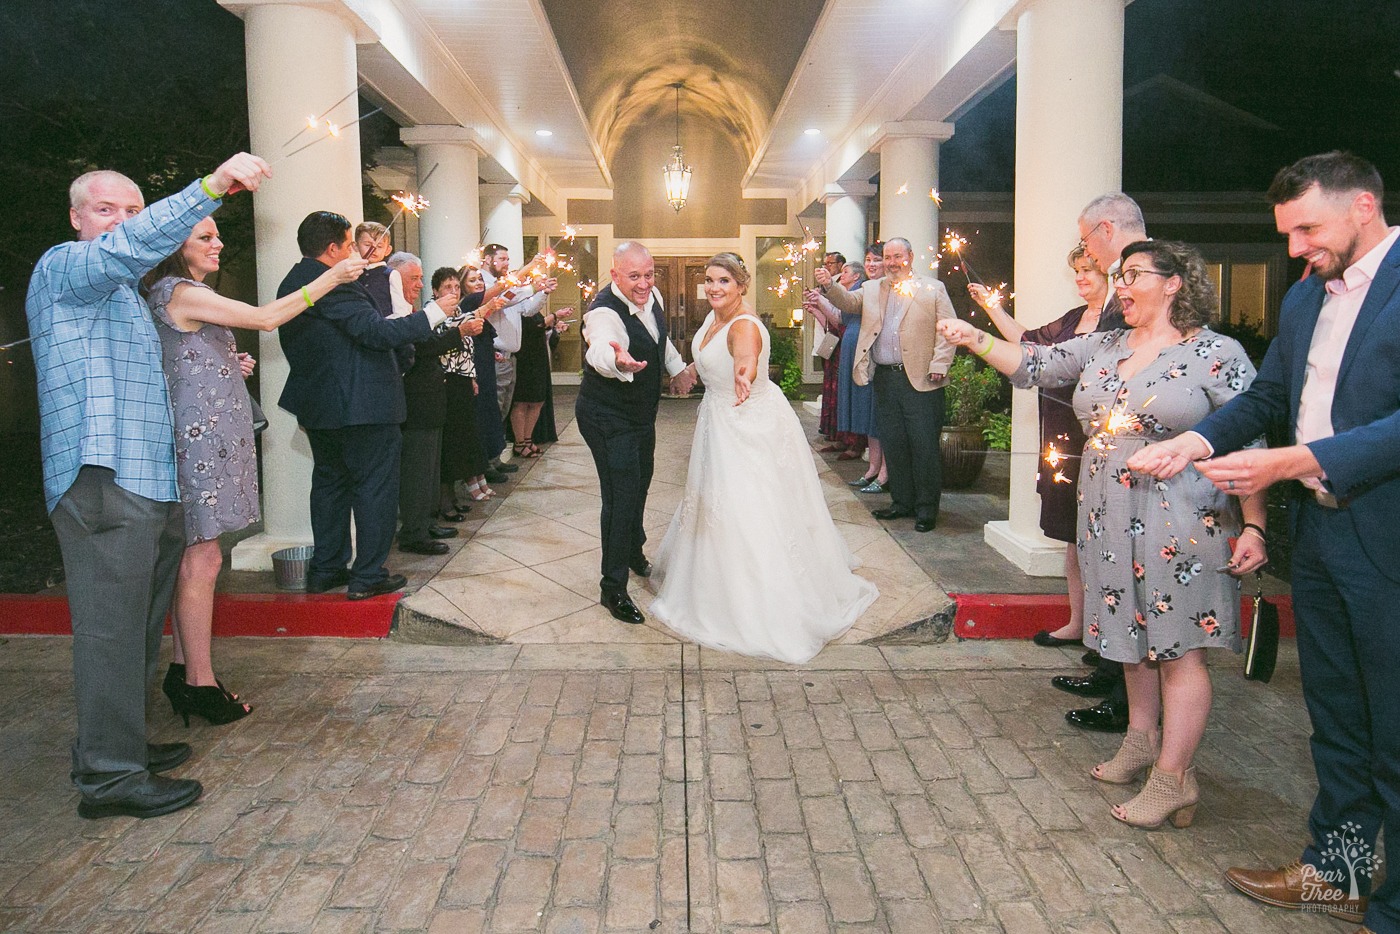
{"x": 313, "y": 122}
{"x": 413, "y": 204}
{"x": 903, "y": 189}
{"x": 937, "y": 199}
{"x": 333, "y": 131}
{"x": 956, "y": 245}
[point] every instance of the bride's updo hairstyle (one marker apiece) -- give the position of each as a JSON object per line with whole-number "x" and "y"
{"x": 732, "y": 264}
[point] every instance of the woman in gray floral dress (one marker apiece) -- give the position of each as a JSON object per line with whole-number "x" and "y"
{"x": 1155, "y": 554}
{"x": 215, "y": 458}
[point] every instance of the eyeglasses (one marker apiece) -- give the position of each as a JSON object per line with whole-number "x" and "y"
{"x": 1084, "y": 240}
{"x": 1130, "y": 275}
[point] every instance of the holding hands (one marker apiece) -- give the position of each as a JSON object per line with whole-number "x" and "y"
{"x": 684, "y": 381}
{"x": 1166, "y": 459}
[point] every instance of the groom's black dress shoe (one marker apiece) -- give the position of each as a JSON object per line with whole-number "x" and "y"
{"x": 162, "y": 757}
{"x": 641, "y": 566}
{"x": 1096, "y": 684}
{"x": 1110, "y": 716}
{"x": 329, "y": 582}
{"x": 156, "y": 796}
{"x": 924, "y": 525}
{"x": 622, "y": 608}
{"x": 891, "y": 513}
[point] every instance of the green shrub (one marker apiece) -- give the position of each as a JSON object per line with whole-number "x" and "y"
{"x": 997, "y": 431}
{"x": 972, "y": 387}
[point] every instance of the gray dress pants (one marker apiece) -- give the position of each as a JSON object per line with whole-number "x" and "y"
{"x": 121, "y": 555}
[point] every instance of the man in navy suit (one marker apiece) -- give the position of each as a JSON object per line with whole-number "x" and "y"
{"x": 1331, "y": 381}
{"x": 345, "y": 389}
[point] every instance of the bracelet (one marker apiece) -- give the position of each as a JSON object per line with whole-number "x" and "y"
{"x": 204, "y": 183}
{"x": 991, "y": 342}
{"x": 1250, "y": 526}
{"x": 306, "y": 297}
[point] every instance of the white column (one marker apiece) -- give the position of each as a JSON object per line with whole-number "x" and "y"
{"x": 300, "y": 61}
{"x": 447, "y": 176}
{"x": 908, "y": 173}
{"x": 846, "y": 204}
{"x": 1069, "y": 150}
{"x": 501, "y": 218}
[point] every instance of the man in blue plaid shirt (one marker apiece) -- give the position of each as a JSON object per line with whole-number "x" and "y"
{"x": 108, "y": 447}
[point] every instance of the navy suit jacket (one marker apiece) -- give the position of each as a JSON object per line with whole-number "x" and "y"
{"x": 1362, "y": 460}
{"x": 340, "y": 353}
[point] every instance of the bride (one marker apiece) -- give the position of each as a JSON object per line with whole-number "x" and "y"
{"x": 752, "y": 562}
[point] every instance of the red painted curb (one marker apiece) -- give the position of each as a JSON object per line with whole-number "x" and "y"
{"x": 243, "y": 614}
{"x": 1020, "y": 616}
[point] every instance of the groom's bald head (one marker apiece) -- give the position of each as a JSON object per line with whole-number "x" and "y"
{"x": 633, "y": 272}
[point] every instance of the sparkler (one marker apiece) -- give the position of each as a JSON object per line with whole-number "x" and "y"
{"x": 955, "y": 244}
{"x": 313, "y": 122}
{"x": 933, "y": 194}
{"x": 903, "y": 189}
{"x": 407, "y": 202}
{"x": 333, "y": 131}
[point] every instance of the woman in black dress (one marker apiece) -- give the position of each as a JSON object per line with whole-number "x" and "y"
{"x": 1058, "y": 486}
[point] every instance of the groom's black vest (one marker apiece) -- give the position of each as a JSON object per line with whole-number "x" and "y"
{"x": 634, "y": 401}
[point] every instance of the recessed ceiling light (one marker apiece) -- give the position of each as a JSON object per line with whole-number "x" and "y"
{"x": 811, "y": 131}
{"x": 544, "y": 132}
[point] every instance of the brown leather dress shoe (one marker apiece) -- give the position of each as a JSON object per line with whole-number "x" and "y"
{"x": 1298, "y": 888}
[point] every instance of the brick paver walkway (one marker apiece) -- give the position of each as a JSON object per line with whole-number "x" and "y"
{"x": 382, "y": 786}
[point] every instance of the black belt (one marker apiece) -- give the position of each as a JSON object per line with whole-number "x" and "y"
{"x": 890, "y": 366}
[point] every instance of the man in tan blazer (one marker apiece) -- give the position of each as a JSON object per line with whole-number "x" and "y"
{"x": 902, "y": 354}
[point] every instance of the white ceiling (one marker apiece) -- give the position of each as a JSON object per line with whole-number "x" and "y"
{"x": 501, "y": 69}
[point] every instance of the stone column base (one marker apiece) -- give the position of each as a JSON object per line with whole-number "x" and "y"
{"x": 1038, "y": 556}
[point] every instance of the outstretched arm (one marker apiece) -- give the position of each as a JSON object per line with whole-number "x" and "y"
{"x": 190, "y": 307}
{"x": 745, "y": 344}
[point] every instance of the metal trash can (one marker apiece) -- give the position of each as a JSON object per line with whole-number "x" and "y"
{"x": 289, "y": 566}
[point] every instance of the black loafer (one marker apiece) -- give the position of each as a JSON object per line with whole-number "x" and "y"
{"x": 1097, "y": 684}
{"x": 441, "y": 531}
{"x": 451, "y": 516}
{"x": 622, "y": 608}
{"x": 162, "y": 757}
{"x": 891, "y": 513}
{"x": 641, "y": 567}
{"x": 388, "y": 585}
{"x": 505, "y": 468}
{"x": 1090, "y": 658}
{"x": 1110, "y": 716}
{"x": 423, "y": 548}
{"x": 330, "y": 582}
{"x": 924, "y": 525}
{"x": 495, "y": 476}
{"x": 1053, "y": 642}
{"x": 159, "y": 795}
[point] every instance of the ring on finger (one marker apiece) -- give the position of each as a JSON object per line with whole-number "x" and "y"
{"x": 1229, "y": 484}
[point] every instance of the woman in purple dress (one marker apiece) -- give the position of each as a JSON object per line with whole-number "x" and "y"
{"x": 215, "y": 459}
{"x": 1058, "y": 488}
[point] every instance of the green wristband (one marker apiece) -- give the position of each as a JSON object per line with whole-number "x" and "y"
{"x": 204, "y": 183}
{"x": 991, "y": 342}
{"x": 306, "y": 297}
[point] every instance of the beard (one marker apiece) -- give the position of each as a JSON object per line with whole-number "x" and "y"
{"x": 1336, "y": 262}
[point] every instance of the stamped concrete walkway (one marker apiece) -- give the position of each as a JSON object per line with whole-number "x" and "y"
{"x": 387, "y": 786}
{"x": 529, "y": 572}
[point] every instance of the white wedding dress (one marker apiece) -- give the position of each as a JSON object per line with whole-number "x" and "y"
{"x": 752, "y": 562}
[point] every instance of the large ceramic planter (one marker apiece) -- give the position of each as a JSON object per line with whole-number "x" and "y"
{"x": 963, "y": 451}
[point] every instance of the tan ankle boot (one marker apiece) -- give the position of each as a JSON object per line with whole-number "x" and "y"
{"x": 1138, "y": 752}
{"x": 1166, "y": 795}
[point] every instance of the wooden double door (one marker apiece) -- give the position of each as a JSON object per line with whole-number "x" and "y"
{"x": 681, "y": 282}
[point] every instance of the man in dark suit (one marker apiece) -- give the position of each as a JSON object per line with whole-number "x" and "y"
{"x": 344, "y": 387}
{"x": 1331, "y": 383}
{"x": 617, "y": 401}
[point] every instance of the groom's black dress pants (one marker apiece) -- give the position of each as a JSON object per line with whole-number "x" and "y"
{"x": 623, "y": 451}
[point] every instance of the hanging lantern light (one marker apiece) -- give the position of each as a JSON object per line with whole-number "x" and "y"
{"x": 676, "y": 172}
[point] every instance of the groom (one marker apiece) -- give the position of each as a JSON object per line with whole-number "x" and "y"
{"x": 627, "y": 349}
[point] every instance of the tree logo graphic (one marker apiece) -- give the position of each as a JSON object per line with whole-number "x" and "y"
{"x": 1355, "y": 860}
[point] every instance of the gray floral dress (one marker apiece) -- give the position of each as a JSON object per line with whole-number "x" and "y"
{"x": 215, "y": 458}
{"x": 1148, "y": 548}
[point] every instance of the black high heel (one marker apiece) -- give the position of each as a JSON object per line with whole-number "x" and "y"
{"x": 212, "y": 702}
{"x": 174, "y": 685}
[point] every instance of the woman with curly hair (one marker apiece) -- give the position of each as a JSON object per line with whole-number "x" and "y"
{"x": 1154, "y": 554}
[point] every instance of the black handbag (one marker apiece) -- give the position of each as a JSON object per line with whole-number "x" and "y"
{"x": 1261, "y": 654}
